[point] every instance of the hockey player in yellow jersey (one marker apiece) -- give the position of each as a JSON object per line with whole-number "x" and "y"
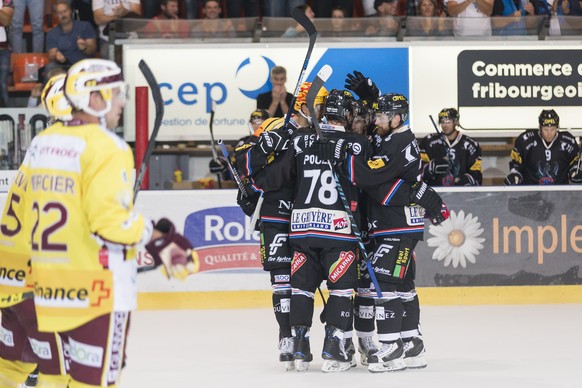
{"x": 24, "y": 347}
{"x": 85, "y": 231}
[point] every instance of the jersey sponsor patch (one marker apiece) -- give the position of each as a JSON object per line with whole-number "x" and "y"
{"x": 41, "y": 348}
{"x": 340, "y": 267}
{"x": 414, "y": 215}
{"x": 85, "y": 354}
{"x": 366, "y": 312}
{"x": 6, "y": 337}
{"x": 282, "y": 278}
{"x": 298, "y": 260}
{"x": 315, "y": 219}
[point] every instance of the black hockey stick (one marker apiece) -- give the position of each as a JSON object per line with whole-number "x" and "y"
{"x": 159, "y": 103}
{"x": 212, "y": 144}
{"x": 232, "y": 169}
{"x": 303, "y": 20}
{"x": 320, "y": 79}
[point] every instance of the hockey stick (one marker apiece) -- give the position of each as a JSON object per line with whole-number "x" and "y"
{"x": 212, "y": 144}
{"x": 159, "y": 103}
{"x": 446, "y": 144}
{"x": 299, "y": 16}
{"x": 232, "y": 169}
{"x": 320, "y": 79}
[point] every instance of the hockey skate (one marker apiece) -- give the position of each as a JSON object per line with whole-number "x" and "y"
{"x": 286, "y": 352}
{"x": 32, "y": 379}
{"x": 301, "y": 351}
{"x": 390, "y": 358}
{"x": 414, "y": 353}
{"x": 335, "y": 356}
{"x": 366, "y": 346}
{"x": 351, "y": 349}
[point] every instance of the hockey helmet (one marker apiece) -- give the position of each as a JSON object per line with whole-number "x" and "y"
{"x": 93, "y": 75}
{"x": 259, "y": 114}
{"x": 548, "y": 118}
{"x": 53, "y": 99}
{"x": 302, "y": 96}
{"x": 269, "y": 125}
{"x": 392, "y": 104}
{"x": 449, "y": 114}
{"x": 339, "y": 106}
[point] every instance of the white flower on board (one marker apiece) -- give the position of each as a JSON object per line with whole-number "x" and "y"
{"x": 456, "y": 240}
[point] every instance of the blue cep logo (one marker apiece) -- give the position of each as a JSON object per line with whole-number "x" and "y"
{"x": 188, "y": 94}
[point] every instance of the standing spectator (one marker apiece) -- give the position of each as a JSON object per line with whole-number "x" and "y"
{"x": 324, "y": 8}
{"x": 107, "y": 11}
{"x": 212, "y": 25}
{"x": 450, "y": 158}
{"x": 472, "y": 16}
{"x": 72, "y": 40}
{"x": 545, "y": 156}
{"x": 36, "y": 13}
{"x": 386, "y": 10}
{"x": 6, "y": 12}
{"x": 250, "y": 8}
{"x": 432, "y": 21}
{"x": 280, "y": 8}
{"x": 277, "y": 101}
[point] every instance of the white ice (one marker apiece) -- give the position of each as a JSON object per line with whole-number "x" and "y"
{"x": 529, "y": 346}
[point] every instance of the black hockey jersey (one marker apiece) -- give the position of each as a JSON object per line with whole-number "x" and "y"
{"x": 464, "y": 155}
{"x": 544, "y": 164}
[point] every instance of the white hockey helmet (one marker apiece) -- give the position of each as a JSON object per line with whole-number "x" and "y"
{"x": 92, "y": 75}
{"x": 54, "y": 101}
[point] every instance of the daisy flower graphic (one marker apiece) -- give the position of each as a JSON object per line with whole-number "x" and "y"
{"x": 456, "y": 241}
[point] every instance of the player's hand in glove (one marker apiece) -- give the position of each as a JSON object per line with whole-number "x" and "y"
{"x": 362, "y": 86}
{"x": 273, "y": 141}
{"x": 438, "y": 166}
{"x": 173, "y": 252}
{"x": 330, "y": 149}
{"x": 218, "y": 166}
{"x": 576, "y": 175}
{"x": 466, "y": 180}
{"x": 248, "y": 203}
{"x": 513, "y": 178}
{"x": 425, "y": 196}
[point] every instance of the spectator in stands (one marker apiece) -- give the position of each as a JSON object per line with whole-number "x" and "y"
{"x": 325, "y": 8}
{"x": 293, "y": 32}
{"x": 234, "y": 7}
{"x": 212, "y": 25}
{"x": 70, "y": 41}
{"x": 6, "y": 12}
{"x": 166, "y": 23}
{"x": 107, "y": 11}
{"x": 567, "y": 8}
{"x": 537, "y": 7}
{"x": 472, "y": 16}
{"x": 386, "y": 10}
{"x": 545, "y": 156}
{"x": 280, "y": 8}
{"x": 413, "y": 7}
{"x": 507, "y": 17}
{"x": 36, "y": 15}
{"x": 277, "y": 101}
{"x": 150, "y": 8}
{"x": 432, "y": 23}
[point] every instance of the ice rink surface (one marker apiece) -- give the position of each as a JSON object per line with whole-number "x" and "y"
{"x": 509, "y": 346}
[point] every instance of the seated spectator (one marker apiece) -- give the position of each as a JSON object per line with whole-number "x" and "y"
{"x": 6, "y": 12}
{"x": 293, "y": 32}
{"x": 107, "y": 11}
{"x": 432, "y": 21}
{"x": 276, "y": 101}
{"x": 386, "y": 10}
{"x": 507, "y": 17}
{"x": 70, "y": 41}
{"x": 36, "y": 15}
{"x": 166, "y": 24}
{"x": 212, "y": 25}
{"x": 472, "y": 16}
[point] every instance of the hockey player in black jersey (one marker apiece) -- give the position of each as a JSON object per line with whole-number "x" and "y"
{"x": 450, "y": 158}
{"x": 545, "y": 156}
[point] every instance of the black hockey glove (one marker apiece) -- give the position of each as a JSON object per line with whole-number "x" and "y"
{"x": 438, "y": 166}
{"x": 173, "y": 252}
{"x": 575, "y": 175}
{"x": 218, "y": 166}
{"x": 466, "y": 180}
{"x": 362, "y": 86}
{"x": 513, "y": 178}
{"x": 423, "y": 195}
{"x": 330, "y": 149}
{"x": 272, "y": 141}
{"x": 248, "y": 203}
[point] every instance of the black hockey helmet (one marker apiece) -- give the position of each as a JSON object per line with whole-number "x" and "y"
{"x": 259, "y": 114}
{"x": 549, "y": 117}
{"x": 339, "y": 106}
{"x": 392, "y": 103}
{"x": 449, "y": 114}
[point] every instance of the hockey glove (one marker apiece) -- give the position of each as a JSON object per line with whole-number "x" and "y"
{"x": 218, "y": 166}
{"x": 466, "y": 180}
{"x": 514, "y": 178}
{"x": 173, "y": 252}
{"x": 272, "y": 141}
{"x": 575, "y": 175}
{"x": 438, "y": 166}
{"x": 362, "y": 86}
{"x": 332, "y": 149}
{"x": 425, "y": 196}
{"x": 248, "y": 203}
